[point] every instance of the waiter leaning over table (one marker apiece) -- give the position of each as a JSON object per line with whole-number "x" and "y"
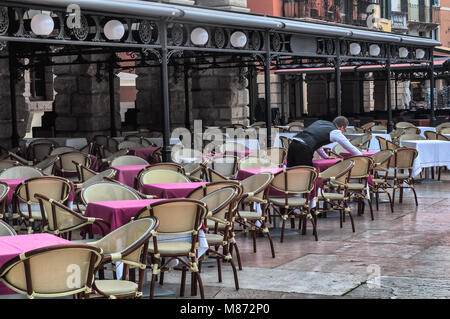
{"x": 316, "y": 135}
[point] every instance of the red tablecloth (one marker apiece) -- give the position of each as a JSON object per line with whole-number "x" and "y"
{"x": 13, "y": 183}
{"x": 12, "y": 246}
{"x": 117, "y": 213}
{"x": 126, "y": 174}
{"x": 170, "y": 190}
{"x": 144, "y": 152}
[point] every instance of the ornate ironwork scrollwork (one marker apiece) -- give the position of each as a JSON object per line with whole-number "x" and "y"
{"x": 177, "y": 35}
{"x": 256, "y": 40}
{"x": 4, "y": 20}
{"x": 329, "y": 47}
{"x": 3, "y": 45}
{"x": 275, "y": 42}
{"x": 219, "y": 38}
{"x": 176, "y": 53}
{"x": 344, "y": 47}
{"x": 81, "y": 33}
{"x": 148, "y": 32}
{"x": 154, "y": 52}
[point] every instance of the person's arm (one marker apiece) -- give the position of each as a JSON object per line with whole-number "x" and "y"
{"x": 337, "y": 136}
{"x": 322, "y": 153}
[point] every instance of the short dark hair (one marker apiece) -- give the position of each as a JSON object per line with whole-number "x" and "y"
{"x": 340, "y": 121}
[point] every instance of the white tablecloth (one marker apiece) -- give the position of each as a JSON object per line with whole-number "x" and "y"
{"x": 431, "y": 154}
{"x": 277, "y": 142}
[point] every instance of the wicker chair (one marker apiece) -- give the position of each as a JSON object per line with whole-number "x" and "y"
{"x": 221, "y": 205}
{"x": 38, "y": 150}
{"x": 430, "y": 135}
{"x": 381, "y": 166}
{"x": 66, "y": 168}
{"x": 362, "y": 142}
{"x": 335, "y": 183}
{"x": 83, "y": 172}
{"x": 158, "y": 166}
{"x": 25, "y": 205}
{"x": 411, "y": 130}
{"x": 128, "y": 160}
{"x": 107, "y": 191}
{"x": 156, "y": 176}
{"x": 403, "y": 161}
{"x": 188, "y": 214}
{"x": 411, "y": 137}
{"x": 382, "y": 141}
{"x": 60, "y": 220}
{"x": 105, "y": 146}
{"x": 396, "y": 134}
{"x": 129, "y": 144}
{"x": 180, "y": 153}
{"x": 441, "y": 126}
{"x": 224, "y": 165}
{"x": 445, "y": 130}
{"x": 285, "y": 142}
{"x": 129, "y": 245}
{"x": 46, "y": 272}
{"x": 358, "y": 190}
{"x": 63, "y": 149}
{"x": 5, "y": 164}
{"x": 255, "y": 192}
{"x": 368, "y": 126}
{"x": 6, "y": 229}
{"x": 4, "y": 190}
{"x": 378, "y": 129}
{"x": 293, "y": 182}
{"x": 106, "y": 162}
{"x": 404, "y": 125}
{"x": 20, "y": 172}
{"x": 256, "y": 162}
{"x": 195, "y": 172}
{"x": 47, "y": 166}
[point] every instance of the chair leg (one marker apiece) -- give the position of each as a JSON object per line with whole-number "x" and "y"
{"x": 238, "y": 255}
{"x": 193, "y": 284}
{"x": 282, "y": 230}
{"x": 183, "y": 281}
{"x": 254, "y": 240}
{"x": 236, "y": 280}
{"x": 370, "y": 207}
{"x": 314, "y": 229}
{"x": 152, "y": 286}
{"x": 271, "y": 244}
{"x": 377, "y": 198}
{"x": 439, "y": 173}
{"x": 200, "y": 285}
{"x": 340, "y": 217}
{"x": 401, "y": 195}
{"x": 161, "y": 275}
{"x": 303, "y": 218}
{"x": 415, "y": 196}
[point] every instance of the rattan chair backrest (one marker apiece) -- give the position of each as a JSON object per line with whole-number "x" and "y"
{"x": 4, "y": 164}
{"x": 445, "y": 130}
{"x": 338, "y": 149}
{"x": 65, "y": 163}
{"x": 128, "y": 160}
{"x": 107, "y": 191}
{"x": 257, "y": 184}
{"x": 411, "y": 130}
{"x": 206, "y": 189}
{"x": 117, "y": 154}
{"x": 53, "y": 271}
{"x": 20, "y": 172}
{"x": 39, "y": 151}
{"x": 382, "y": 159}
{"x": 404, "y": 125}
{"x": 224, "y": 165}
{"x": 411, "y": 137}
{"x": 100, "y": 177}
{"x": 6, "y": 229}
{"x": 84, "y": 173}
{"x": 368, "y": 126}
{"x": 129, "y": 144}
{"x": 404, "y": 158}
{"x": 194, "y": 171}
{"x": 337, "y": 170}
{"x": 285, "y": 142}
{"x": 397, "y": 133}
{"x": 362, "y": 166}
{"x": 441, "y": 137}
{"x": 220, "y": 201}
{"x": 176, "y": 216}
{"x": 382, "y": 142}
{"x": 47, "y": 165}
{"x": 362, "y": 141}
{"x": 295, "y": 180}
{"x": 441, "y": 126}
{"x": 56, "y": 188}
{"x": 159, "y": 176}
{"x": 63, "y": 149}
{"x": 430, "y": 135}
{"x": 129, "y": 240}
{"x": 378, "y": 128}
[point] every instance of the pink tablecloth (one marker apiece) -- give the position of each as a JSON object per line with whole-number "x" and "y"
{"x": 170, "y": 190}
{"x": 12, "y": 246}
{"x": 13, "y": 183}
{"x": 144, "y": 152}
{"x": 323, "y": 164}
{"x": 116, "y": 213}
{"x": 126, "y": 174}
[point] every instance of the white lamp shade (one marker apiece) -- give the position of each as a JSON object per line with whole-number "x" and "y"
{"x": 42, "y": 24}
{"x": 355, "y": 48}
{"x": 420, "y": 54}
{"x": 403, "y": 52}
{"x": 199, "y": 36}
{"x": 114, "y": 30}
{"x": 374, "y": 50}
{"x": 238, "y": 39}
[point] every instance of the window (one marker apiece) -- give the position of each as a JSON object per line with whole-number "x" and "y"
{"x": 37, "y": 82}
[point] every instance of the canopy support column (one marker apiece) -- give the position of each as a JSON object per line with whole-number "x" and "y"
{"x": 432, "y": 85}
{"x": 267, "y": 63}
{"x": 396, "y": 91}
{"x": 361, "y": 93}
{"x": 390, "y": 124}
{"x": 337, "y": 66}
{"x": 165, "y": 93}
{"x": 251, "y": 93}
{"x": 112, "y": 101}
{"x": 12, "y": 87}
{"x": 187, "y": 119}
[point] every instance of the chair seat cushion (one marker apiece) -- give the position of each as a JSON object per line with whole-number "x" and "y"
{"x": 172, "y": 248}
{"x": 293, "y": 201}
{"x": 249, "y": 215}
{"x": 214, "y": 239}
{"x": 333, "y": 196}
{"x": 356, "y": 186}
{"x": 210, "y": 224}
{"x": 378, "y": 180}
{"x": 116, "y": 287}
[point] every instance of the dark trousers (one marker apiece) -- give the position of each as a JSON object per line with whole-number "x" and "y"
{"x": 299, "y": 154}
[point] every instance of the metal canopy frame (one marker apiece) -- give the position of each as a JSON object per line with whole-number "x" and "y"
{"x": 158, "y": 35}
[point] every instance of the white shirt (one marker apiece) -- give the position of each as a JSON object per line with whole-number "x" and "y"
{"x": 337, "y": 136}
